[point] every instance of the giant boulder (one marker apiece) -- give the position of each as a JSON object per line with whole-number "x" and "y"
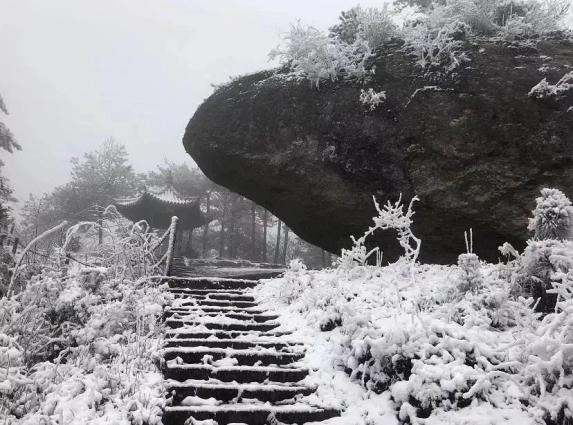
{"x": 473, "y": 146}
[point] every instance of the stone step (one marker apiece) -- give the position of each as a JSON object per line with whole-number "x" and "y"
{"x": 230, "y": 343}
{"x": 226, "y": 392}
{"x": 215, "y": 297}
{"x": 217, "y": 303}
{"x": 244, "y": 357}
{"x": 212, "y": 283}
{"x": 182, "y": 312}
{"x": 252, "y": 414}
{"x": 241, "y": 374}
{"x": 214, "y": 309}
{"x": 260, "y": 327}
{"x": 208, "y": 291}
{"x": 240, "y": 335}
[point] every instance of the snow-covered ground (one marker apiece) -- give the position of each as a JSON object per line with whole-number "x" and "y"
{"x": 78, "y": 346}
{"x": 389, "y": 347}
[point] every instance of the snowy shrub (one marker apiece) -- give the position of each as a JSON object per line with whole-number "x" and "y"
{"x": 543, "y": 89}
{"x": 457, "y": 343}
{"x": 79, "y": 340}
{"x": 549, "y": 256}
{"x": 471, "y": 279}
{"x": 311, "y": 54}
{"x": 371, "y": 98}
{"x": 392, "y": 216}
{"x": 437, "y": 48}
{"x": 373, "y": 25}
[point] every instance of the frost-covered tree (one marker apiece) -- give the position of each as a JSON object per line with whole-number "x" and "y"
{"x": 9, "y": 144}
{"x": 102, "y": 175}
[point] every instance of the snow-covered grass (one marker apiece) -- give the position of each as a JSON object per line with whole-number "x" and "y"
{"x": 453, "y": 344}
{"x": 79, "y": 342}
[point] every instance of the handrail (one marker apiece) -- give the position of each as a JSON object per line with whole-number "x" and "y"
{"x": 170, "y": 233}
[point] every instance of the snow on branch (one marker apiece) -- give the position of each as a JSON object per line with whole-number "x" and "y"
{"x": 392, "y": 216}
{"x": 28, "y": 247}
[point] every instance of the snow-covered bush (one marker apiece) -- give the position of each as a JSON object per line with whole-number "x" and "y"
{"x": 437, "y": 47}
{"x": 311, "y": 54}
{"x": 371, "y": 98}
{"x": 549, "y": 254}
{"x": 470, "y": 279}
{"x": 551, "y": 216}
{"x": 436, "y": 35}
{"x": 79, "y": 340}
{"x": 452, "y": 344}
{"x": 373, "y": 25}
{"x": 543, "y": 89}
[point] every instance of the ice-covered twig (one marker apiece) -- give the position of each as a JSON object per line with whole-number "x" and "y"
{"x": 28, "y": 247}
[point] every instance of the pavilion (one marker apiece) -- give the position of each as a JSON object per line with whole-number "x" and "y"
{"x": 157, "y": 206}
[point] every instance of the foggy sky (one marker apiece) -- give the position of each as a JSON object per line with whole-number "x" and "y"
{"x": 75, "y": 72}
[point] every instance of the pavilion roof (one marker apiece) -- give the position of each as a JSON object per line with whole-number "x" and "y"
{"x": 158, "y": 205}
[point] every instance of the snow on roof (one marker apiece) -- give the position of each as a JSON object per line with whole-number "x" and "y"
{"x": 166, "y": 194}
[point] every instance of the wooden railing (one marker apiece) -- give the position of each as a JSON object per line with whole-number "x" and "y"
{"x": 170, "y": 236}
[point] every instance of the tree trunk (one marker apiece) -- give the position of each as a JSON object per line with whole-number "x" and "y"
{"x": 232, "y": 237}
{"x": 253, "y": 231}
{"x": 206, "y": 226}
{"x": 265, "y": 222}
{"x": 285, "y": 245}
{"x": 278, "y": 243}
{"x": 222, "y": 239}
{"x": 100, "y": 222}
{"x": 189, "y": 249}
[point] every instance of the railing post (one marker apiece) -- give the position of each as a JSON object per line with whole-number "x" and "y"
{"x": 171, "y": 246}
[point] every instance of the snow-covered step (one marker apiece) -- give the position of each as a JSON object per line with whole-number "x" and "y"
{"x": 227, "y": 392}
{"x": 211, "y": 283}
{"x": 244, "y": 357}
{"x": 218, "y": 309}
{"x": 217, "y": 303}
{"x": 226, "y": 361}
{"x": 215, "y": 297}
{"x": 277, "y": 344}
{"x": 209, "y": 291}
{"x": 256, "y": 414}
{"x": 223, "y": 334}
{"x": 260, "y": 327}
{"x": 240, "y": 374}
{"x": 259, "y": 318}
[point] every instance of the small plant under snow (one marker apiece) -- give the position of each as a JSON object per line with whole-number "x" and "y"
{"x": 544, "y": 90}
{"x": 371, "y": 98}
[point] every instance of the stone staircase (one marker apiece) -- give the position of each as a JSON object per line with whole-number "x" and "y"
{"x": 225, "y": 361}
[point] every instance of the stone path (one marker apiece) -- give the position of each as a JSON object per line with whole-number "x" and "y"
{"x": 226, "y": 362}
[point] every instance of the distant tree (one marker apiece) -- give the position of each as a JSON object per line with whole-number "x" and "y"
{"x": 101, "y": 176}
{"x": 8, "y": 143}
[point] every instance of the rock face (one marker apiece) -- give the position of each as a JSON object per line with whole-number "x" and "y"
{"x": 475, "y": 148}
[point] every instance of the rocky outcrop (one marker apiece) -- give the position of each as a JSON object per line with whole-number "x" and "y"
{"x": 475, "y": 147}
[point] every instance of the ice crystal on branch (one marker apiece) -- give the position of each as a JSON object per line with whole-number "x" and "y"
{"x": 391, "y": 216}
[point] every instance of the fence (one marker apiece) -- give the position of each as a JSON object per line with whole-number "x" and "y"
{"x": 140, "y": 241}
